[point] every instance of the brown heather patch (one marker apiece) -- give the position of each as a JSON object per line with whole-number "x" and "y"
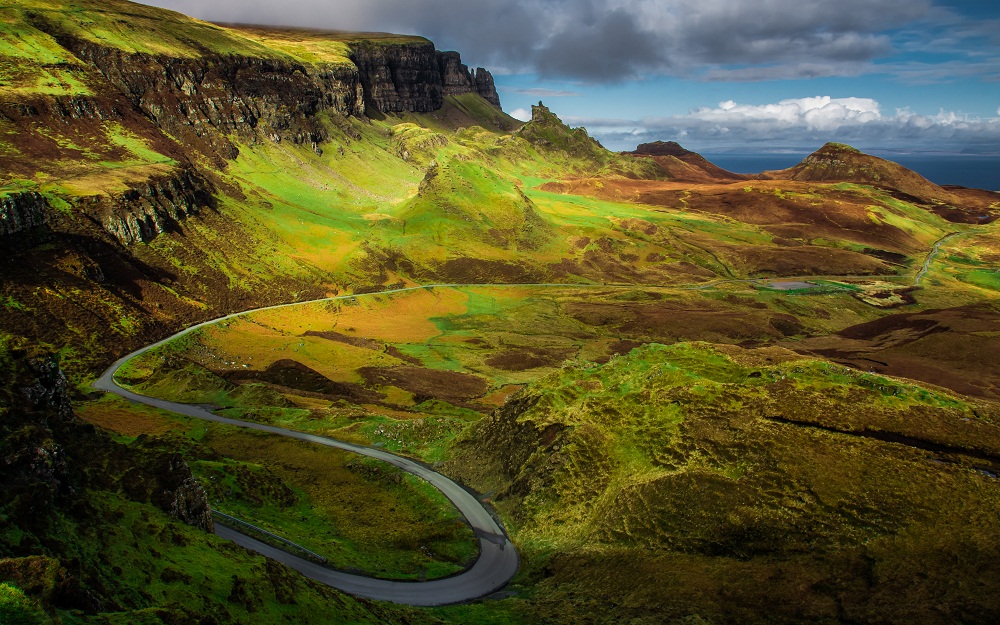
{"x": 125, "y": 420}
{"x": 446, "y": 385}
{"x": 528, "y": 358}
{"x": 792, "y": 211}
{"x": 955, "y": 348}
{"x": 294, "y": 375}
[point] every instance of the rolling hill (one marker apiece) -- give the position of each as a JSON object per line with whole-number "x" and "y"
{"x": 703, "y": 397}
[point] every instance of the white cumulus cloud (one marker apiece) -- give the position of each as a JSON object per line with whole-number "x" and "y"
{"x": 805, "y": 122}
{"x": 522, "y": 114}
{"x": 817, "y": 113}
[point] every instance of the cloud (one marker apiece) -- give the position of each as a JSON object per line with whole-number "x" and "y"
{"x": 522, "y": 114}
{"x": 802, "y": 122}
{"x": 611, "y": 40}
{"x": 818, "y": 113}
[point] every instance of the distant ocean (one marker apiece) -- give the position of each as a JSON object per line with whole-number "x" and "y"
{"x": 977, "y": 172}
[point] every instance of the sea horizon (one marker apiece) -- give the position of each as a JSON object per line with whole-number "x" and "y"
{"x": 976, "y": 171}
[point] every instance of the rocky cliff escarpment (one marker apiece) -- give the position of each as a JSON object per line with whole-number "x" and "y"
{"x": 415, "y": 78}
{"x": 402, "y": 78}
{"x": 458, "y": 79}
{"x": 201, "y": 100}
{"x": 22, "y": 211}
{"x": 155, "y": 206}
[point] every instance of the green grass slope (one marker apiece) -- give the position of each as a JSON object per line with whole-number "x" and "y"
{"x": 687, "y": 483}
{"x": 731, "y": 486}
{"x": 92, "y": 529}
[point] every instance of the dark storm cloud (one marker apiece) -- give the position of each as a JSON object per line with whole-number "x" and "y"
{"x": 602, "y": 40}
{"x": 609, "y": 49}
{"x": 543, "y": 93}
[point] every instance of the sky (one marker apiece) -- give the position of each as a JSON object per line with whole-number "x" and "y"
{"x": 715, "y": 75}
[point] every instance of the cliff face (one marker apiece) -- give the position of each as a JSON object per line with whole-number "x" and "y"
{"x": 400, "y": 78}
{"x": 415, "y": 78}
{"x": 21, "y": 211}
{"x": 155, "y": 206}
{"x": 459, "y": 80}
{"x": 204, "y": 99}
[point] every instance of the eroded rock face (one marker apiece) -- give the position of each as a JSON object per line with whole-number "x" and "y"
{"x": 401, "y": 78}
{"x": 165, "y": 480}
{"x": 21, "y": 211}
{"x": 415, "y": 78}
{"x": 459, "y": 80}
{"x": 156, "y": 206}
{"x": 182, "y": 106}
{"x": 202, "y": 100}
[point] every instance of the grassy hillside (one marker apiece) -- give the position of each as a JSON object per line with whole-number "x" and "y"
{"x": 95, "y": 529}
{"x": 748, "y": 486}
{"x": 647, "y": 428}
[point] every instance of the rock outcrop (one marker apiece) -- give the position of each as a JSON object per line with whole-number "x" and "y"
{"x": 401, "y": 78}
{"x": 458, "y": 79}
{"x": 22, "y": 211}
{"x": 415, "y": 78}
{"x": 49, "y": 457}
{"x": 155, "y": 206}
{"x": 201, "y": 100}
{"x": 187, "y": 106}
{"x": 547, "y": 131}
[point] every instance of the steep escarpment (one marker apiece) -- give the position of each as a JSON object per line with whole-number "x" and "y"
{"x": 201, "y": 100}
{"x": 21, "y": 211}
{"x": 155, "y": 206}
{"x": 415, "y": 78}
{"x": 400, "y": 78}
{"x": 458, "y": 79}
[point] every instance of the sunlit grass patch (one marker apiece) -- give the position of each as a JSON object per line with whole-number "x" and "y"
{"x": 361, "y": 514}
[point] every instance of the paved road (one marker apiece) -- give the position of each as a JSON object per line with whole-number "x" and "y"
{"x": 498, "y": 560}
{"x": 493, "y": 569}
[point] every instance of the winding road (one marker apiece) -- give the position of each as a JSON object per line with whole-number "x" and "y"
{"x": 498, "y": 561}
{"x": 493, "y": 569}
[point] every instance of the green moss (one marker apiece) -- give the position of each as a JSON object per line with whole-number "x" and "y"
{"x": 17, "y": 609}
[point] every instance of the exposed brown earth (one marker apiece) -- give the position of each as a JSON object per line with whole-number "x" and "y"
{"x": 294, "y": 375}
{"x": 527, "y": 358}
{"x": 795, "y": 213}
{"x": 428, "y": 383}
{"x": 956, "y": 348}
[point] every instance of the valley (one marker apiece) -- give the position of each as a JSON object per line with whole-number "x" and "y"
{"x": 656, "y": 390}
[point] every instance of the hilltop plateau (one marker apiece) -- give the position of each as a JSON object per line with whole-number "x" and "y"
{"x": 691, "y": 396}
